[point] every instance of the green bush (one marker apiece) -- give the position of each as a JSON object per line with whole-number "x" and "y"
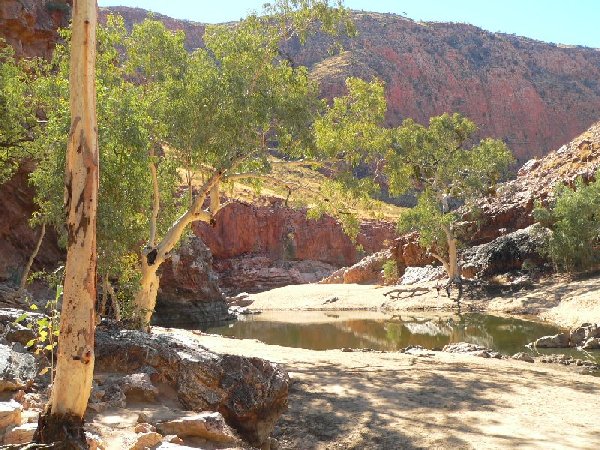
{"x": 574, "y": 220}
{"x": 390, "y": 272}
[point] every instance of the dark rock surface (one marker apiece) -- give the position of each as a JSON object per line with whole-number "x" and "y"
{"x": 250, "y": 393}
{"x": 189, "y": 292}
{"x": 505, "y": 253}
{"x": 18, "y": 369}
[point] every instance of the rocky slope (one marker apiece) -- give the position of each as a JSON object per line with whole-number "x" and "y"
{"x": 534, "y": 95}
{"x": 30, "y": 26}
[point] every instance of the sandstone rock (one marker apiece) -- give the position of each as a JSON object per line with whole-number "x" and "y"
{"x": 471, "y": 349}
{"x": 17, "y": 370}
{"x": 413, "y": 275}
{"x": 146, "y": 441}
{"x": 10, "y": 414}
{"x": 505, "y": 253}
{"x": 173, "y": 439}
{"x": 367, "y": 270}
{"x": 591, "y": 344}
{"x": 189, "y": 293}
{"x": 145, "y": 428}
{"x": 139, "y": 386}
{"x": 94, "y": 441}
{"x": 206, "y": 425}
{"x": 522, "y": 356}
{"x": 560, "y": 340}
{"x": 250, "y": 393}
{"x": 20, "y": 434}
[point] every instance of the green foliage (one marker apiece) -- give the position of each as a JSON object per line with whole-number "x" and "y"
{"x": 437, "y": 161}
{"x": 390, "y": 272}
{"x": 574, "y": 219}
{"x": 16, "y": 113}
{"x": 127, "y": 131}
{"x": 46, "y": 329}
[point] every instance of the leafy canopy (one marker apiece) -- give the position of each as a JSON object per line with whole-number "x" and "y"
{"x": 574, "y": 219}
{"x": 438, "y": 163}
{"x": 17, "y": 117}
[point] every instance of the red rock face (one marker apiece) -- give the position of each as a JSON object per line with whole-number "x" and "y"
{"x": 282, "y": 233}
{"x": 29, "y": 26}
{"x": 261, "y": 247}
{"x": 17, "y": 239}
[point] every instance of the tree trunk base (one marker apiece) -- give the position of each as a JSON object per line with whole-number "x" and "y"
{"x": 64, "y": 431}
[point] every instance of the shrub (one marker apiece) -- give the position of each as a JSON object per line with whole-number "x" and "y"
{"x": 574, "y": 219}
{"x": 390, "y": 272}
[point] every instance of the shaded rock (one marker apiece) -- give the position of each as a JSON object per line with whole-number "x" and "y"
{"x": 207, "y": 425}
{"x": 584, "y": 333}
{"x": 17, "y": 370}
{"x": 591, "y": 344}
{"x": 146, "y": 441}
{"x": 189, "y": 292}
{"x": 560, "y": 340}
{"x": 173, "y": 439}
{"x": 250, "y": 393}
{"x": 20, "y": 434}
{"x": 139, "y": 386}
{"x": 505, "y": 253}
{"x": 522, "y": 356}
{"x": 94, "y": 441}
{"x": 10, "y": 414}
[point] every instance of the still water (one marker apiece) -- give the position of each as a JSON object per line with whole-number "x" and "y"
{"x": 325, "y": 330}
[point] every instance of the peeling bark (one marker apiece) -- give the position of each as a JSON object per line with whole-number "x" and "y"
{"x": 75, "y": 360}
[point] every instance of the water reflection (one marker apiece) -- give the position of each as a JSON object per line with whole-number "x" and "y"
{"x": 505, "y": 335}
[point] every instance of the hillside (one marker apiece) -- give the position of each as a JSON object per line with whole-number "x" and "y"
{"x": 536, "y": 96}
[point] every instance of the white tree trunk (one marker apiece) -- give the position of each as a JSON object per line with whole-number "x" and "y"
{"x": 154, "y": 256}
{"x": 75, "y": 360}
{"x": 453, "y": 268}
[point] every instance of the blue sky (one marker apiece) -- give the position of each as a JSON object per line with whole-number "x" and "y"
{"x": 575, "y": 22}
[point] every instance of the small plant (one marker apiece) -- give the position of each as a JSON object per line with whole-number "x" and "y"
{"x": 390, "y": 272}
{"x": 46, "y": 329}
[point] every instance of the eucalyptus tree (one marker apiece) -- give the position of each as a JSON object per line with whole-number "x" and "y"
{"x": 62, "y": 421}
{"x": 17, "y": 118}
{"x": 126, "y": 133}
{"x": 223, "y": 108}
{"x": 445, "y": 171}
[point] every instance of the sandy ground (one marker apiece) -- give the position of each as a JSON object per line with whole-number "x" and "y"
{"x": 370, "y": 400}
{"x": 419, "y": 400}
{"x": 565, "y": 303}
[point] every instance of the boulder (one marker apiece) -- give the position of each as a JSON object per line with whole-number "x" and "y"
{"x": 146, "y": 441}
{"x": 20, "y": 434}
{"x": 367, "y": 270}
{"x": 471, "y": 349}
{"x": 10, "y": 414}
{"x": 250, "y": 393}
{"x": 17, "y": 369}
{"x": 522, "y": 356}
{"x": 505, "y": 253}
{"x": 207, "y": 425}
{"x": 189, "y": 293}
{"x": 591, "y": 344}
{"x": 560, "y": 340}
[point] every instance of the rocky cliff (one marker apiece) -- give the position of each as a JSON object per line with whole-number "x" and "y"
{"x": 534, "y": 95}
{"x": 261, "y": 247}
{"x": 30, "y": 26}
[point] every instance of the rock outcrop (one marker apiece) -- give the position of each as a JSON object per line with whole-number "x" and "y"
{"x": 250, "y": 393}
{"x": 30, "y": 26}
{"x": 505, "y": 253}
{"x": 262, "y": 247}
{"x": 189, "y": 293}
